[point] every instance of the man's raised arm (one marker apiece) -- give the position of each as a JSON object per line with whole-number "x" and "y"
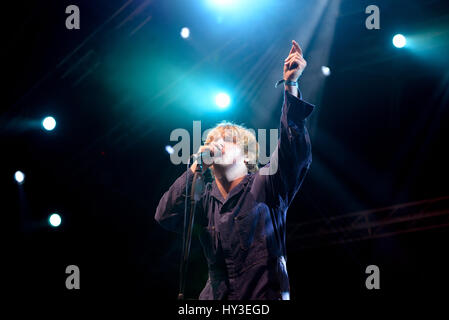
{"x": 289, "y": 163}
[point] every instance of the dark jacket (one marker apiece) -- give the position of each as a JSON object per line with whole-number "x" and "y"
{"x": 243, "y": 237}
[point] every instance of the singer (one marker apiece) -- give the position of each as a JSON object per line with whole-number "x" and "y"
{"x": 241, "y": 217}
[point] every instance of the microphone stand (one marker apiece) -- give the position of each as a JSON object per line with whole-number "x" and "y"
{"x": 195, "y": 196}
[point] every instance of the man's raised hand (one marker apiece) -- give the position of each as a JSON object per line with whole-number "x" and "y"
{"x": 294, "y": 64}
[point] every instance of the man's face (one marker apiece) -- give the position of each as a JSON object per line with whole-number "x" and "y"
{"x": 229, "y": 152}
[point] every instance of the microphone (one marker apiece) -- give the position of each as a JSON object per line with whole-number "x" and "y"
{"x": 207, "y": 154}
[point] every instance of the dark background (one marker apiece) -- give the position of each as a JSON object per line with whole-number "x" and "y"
{"x": 119, "y": 85}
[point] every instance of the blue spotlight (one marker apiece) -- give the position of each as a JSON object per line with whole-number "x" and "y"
{"x": 222, "y": 100}
{"x": 54, "y": 220}
{"x": 399, "y": 41}
{"x": 19, "y": 176}
{"x": 169, "y": 149}
{"x": 49, "y": 123}
{"x": 236, "y": 7}
{"x": 185, "y": 32}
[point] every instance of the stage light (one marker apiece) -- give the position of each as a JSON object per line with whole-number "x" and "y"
{"x": 326, "y": 71}
{"x": 222, "y": 100}
{"x": 233, "y": 8}
{"x": 169, "y": 149}
{"x": 19, "y": 176}
{"x": 399, "y": 41}
{"x": 49, "y": 123}
{"x": 185, "y": 32}
{"x": 54, "y": 220}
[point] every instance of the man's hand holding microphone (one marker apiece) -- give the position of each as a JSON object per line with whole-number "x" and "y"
{"x": 206, "y": 155}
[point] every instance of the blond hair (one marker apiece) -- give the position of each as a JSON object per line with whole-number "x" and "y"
{"x": 241, "y": 136}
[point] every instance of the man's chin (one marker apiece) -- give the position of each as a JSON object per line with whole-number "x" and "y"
{"x": 222, "y": 165}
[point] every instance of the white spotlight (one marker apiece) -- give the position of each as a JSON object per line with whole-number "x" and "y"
{"x": 399, "y": 41}
{"x": 54, "y": 220}
{"x": 326, "y": 71}
{"x": 49, "y": 123}
{"x": 19, "y": 176}
{"x": 222, "y": 100}
{"x": 185, "y": 32}
{"x": 169, "y": 149}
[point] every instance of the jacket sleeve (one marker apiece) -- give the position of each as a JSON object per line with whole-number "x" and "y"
{"x": 281, "y": 178}
{"x": 170, "y": 211}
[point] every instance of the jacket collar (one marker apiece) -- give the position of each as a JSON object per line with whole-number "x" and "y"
{"x": 215, "y": 192}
